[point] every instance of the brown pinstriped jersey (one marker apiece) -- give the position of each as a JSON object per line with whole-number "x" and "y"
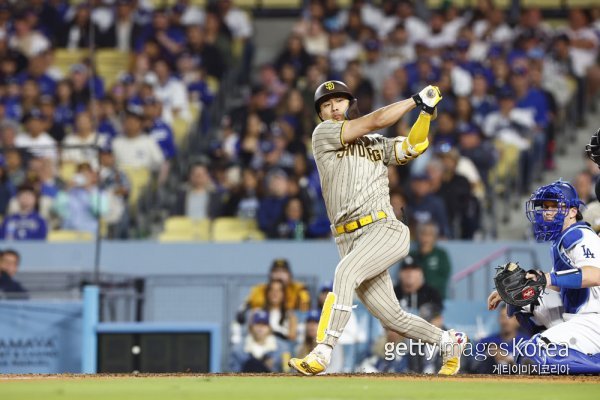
{"x": 354, "y": 176}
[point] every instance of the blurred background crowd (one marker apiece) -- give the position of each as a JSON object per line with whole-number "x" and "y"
{"x": 137, "y": 119}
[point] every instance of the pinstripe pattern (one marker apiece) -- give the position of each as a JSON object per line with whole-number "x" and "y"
{"x": 355, "y": 183}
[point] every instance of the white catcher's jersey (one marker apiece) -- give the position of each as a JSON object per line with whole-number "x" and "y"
{"x": 354, "y": 176}
{"x": 579, "y": 246}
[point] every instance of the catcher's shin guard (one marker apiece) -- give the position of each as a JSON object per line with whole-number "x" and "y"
{"x": 325, "y": 321}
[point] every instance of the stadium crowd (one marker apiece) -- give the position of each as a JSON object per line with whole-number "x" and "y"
{"x": 510, "y": 86}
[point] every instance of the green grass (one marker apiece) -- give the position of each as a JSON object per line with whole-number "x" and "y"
{"x": 289, "y": 388}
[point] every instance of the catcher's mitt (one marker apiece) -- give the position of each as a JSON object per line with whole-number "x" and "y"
{"x": 514, "y": 288}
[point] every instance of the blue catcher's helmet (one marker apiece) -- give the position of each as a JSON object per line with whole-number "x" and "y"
{"x": 564, "y": 195}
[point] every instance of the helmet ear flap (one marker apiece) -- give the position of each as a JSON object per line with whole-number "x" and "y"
{"x": 352, "y": 112}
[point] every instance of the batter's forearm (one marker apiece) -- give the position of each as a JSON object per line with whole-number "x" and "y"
{"x": 390, "y": 114}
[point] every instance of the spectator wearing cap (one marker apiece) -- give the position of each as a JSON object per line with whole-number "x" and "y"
{"x": 433, "y": 259}
{"x": 135, "y": 149}
{"x": 261, "y": 350}
{"x": 411, "y": 289}
{"x": 199, "y": 198}
{"x": 272, "y": 205}
{"x": 9, "y": 266}
{"x": 35, "y": 138}
{"x": 117, "y": 186}
{"x": 81, "y": 204}
{"x": 80, "y": 146}
{"x": 283, "y": 321}
{"x": 424, "y": 206}
{"x": 296, "y": 294}
{"x": 158, "y": 129}
{"x": 309, "y": 341}
{"x": 26, "y": 223}
{"x": 48, "y": 108}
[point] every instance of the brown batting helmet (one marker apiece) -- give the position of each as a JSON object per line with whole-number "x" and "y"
{"x": 335, "y": 89}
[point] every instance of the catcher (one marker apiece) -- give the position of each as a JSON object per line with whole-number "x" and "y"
{"x": 563, "y": 306}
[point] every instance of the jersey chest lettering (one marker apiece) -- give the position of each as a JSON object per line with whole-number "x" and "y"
{"x": 360, "y": 150}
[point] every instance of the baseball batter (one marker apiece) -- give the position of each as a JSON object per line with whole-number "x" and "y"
{"x": 352, "y": 163}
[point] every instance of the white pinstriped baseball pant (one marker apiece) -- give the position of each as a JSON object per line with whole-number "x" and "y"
{"x": 367, "y": 254}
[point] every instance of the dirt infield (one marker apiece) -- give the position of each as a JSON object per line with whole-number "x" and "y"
{"x": 399, "y": 377}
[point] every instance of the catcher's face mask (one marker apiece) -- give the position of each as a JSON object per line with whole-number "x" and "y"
{"x": 547, "y": 208}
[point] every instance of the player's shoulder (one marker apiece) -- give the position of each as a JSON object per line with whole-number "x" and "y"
{"x": 578, "y": 234}
{"x": 328, "y": 126}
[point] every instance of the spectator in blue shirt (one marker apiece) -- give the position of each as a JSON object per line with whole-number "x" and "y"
{"x": 271, "y": 207}
{"x": 424, "y": 206}
{"x": 157, "y": 128}
{"x": 26, "y": 224}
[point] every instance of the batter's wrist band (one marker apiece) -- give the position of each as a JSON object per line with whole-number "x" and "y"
{"x": 569, "y": 279}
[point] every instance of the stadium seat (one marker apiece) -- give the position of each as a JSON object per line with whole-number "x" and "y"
{"x": 110, "y": 64}
{"x": 139, "y": 179}
{"x": 65, "y": 58}
{"x": 227, "y": 229}
{"x": 166, "y": 237}
{"x": 180, "y": 131}
{"x": 195, "y": 229}
{"x": 69, "y": 236}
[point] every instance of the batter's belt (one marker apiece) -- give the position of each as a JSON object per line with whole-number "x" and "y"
{"x": 351, "y": 226}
